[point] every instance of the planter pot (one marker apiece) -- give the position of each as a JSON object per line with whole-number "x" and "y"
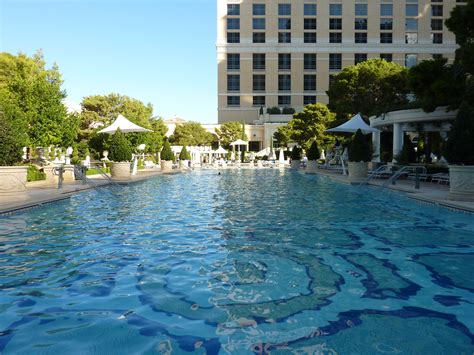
{"x": 166, "y": 165}
{"x": 184, "y": 164}
{"x": 13, "y": 178}
{"x": 461, "y": 182}
{"x": 312, "y": 166}
{"x": 295, "y": 164}
{"x": 120, "y": 170}
{"x": 357, "y": 171}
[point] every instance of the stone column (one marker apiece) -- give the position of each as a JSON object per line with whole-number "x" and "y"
{"x": 376, "y": 145}
{"x": 397, "y": 140}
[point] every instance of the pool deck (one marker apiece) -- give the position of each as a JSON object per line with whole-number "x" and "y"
{"x": 428, "y": 192}
{"x": 41, "y": 192}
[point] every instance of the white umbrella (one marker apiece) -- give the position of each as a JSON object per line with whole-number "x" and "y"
{"x": 322, "y": 156}
{"x": 239, "y": 142}
{"x": 353, "y": 125}
{"x": 125, "y": 126}
{"x": 220, "y": 150}
{"x": 281, "y": 159}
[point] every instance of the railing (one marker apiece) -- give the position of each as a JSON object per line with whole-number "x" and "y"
{"x": 375, "y": 173}
{"x": 404, "y": 171}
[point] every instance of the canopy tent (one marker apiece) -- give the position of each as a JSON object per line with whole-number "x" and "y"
{"x": 353, "y": 125}
{"x": 125, "y": 126}
{"x": 220, "y": 150}
{"x": 239, "y": 142}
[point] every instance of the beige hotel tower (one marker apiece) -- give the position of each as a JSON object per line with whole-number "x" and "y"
{"x": 284, "y": 52}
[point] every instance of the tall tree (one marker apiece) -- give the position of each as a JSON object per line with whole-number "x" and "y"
{"x": 230, "y": 132}
{"x": 370, "y": 87}
{"x": 191, "y": 133}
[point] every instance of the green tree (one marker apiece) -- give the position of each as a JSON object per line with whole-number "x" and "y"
{"x": 460, "y": 144}
{"x": 120, "y": 149}
{"x": 184, "y": 154}
{"x": 310, "y": 125}
{"x": 166, "y": 152}
{"x": 359, "y": 150}
{"x": 282, "y": 135}
{"x": 435, "y": 83}
{"x": 313, "y": 151}
{"x": 371, "y": 88}
{"x": 230, "y": 132}
{"x": 191, "y": 133}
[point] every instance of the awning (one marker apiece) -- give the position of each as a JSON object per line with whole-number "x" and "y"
{"x": 125, "y": 126}
{"x": 353, "y": 125}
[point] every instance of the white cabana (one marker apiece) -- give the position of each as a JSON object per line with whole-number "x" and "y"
{"x": 353, "y": 125}
{"x": 125, "y": 126}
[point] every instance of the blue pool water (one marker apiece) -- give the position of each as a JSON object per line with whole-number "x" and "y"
{"x": 263, "y": 261}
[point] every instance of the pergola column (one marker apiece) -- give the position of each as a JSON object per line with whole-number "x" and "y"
{"x": 376, "y": 144}
{"x": 397, "y": 140}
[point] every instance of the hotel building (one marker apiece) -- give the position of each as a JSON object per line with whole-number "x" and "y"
{"x": 284, "y": 52}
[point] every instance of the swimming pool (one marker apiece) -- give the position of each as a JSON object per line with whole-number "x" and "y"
{"x": 244, "y": 262}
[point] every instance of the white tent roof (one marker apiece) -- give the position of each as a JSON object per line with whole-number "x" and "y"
{"x": 220, "y": 150}
{"x": 125, "y": 126}
{"x": 239, "y": 142}
{"x": 353, "y": 125}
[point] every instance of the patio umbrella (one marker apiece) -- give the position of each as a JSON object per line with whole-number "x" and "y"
{"x": 353, "y": 125}
{"x": 281, "y": 159}
{"x": 322, "y": 156}
{"x": 125, "y": 126}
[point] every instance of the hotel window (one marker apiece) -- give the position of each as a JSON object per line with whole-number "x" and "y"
{"x": 309, "y": 99}
{"x": 284, "y": 82}
{"x": 284, "y": 37}
{"x": 386, "y": 37}
{"x": 335, "y": 37}
{"x": 436, "y": 24}
{"x": 258, "y": 101}
{"x": 309, "y": 23}
{"x": 258, "y": 61}
{"x": 258, "y": 37}
{"x": 437, "y": 38}
{"x": 436, "y": 10}
{"x": 284, "y": 9}
{"x": 411, "y": 10}
{"x": 258, "y": 10}
{"x": 386, "y": 10}
{"x": 411, "y": 60}
{"x": 233, "y": 61}
{"x": 310, "y": 61}
{"x": 411, "y": 24}
{"x": 309, "y": 83}
{"x": 335, "y": 24}
{"x": 258, "y": 83}
{"x": 335, "y": 61}
{"x": 284, "y": 61}
{"x": 258, "y": 23}
{"x": 388, "y": 57}
{"x": 360, "y": 24}
{"x": 335, "y": 9}
{"x": 360, "y": 37}
{"x": 233, "y": 100}
{"x": 386, "y": 24}
{"x": 310, "y": 10}
{"x": 309, "y": 37}
{"x": 284, "y": 24}
{"x": 284, "y": 100}
{"x": 233, "y": 24}
{"x": 233, "y": 82}
{"x": 360, "y": 57}
{"x": 411, "y": 38}
{"x": 233, "y": 37}
{"x": 361, "y": 9}
{"x": 233, "y": 9}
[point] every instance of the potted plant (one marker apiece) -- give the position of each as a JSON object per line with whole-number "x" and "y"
{"x": 359, "y": 156}
{"x": 121, "y": 155}
{"x": 313, "y": 156}
{"x": 184, "y": 158}
{"x": 296, "y": 157}
{"x": 167, "y": 157}
{"x": 460, "y": 154}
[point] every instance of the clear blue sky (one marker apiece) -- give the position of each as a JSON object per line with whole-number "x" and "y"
{"x": 157, "y": 51}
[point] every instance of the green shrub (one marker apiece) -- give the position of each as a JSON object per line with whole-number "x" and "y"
{"x": 407, "y": 155}
{"x": 274, "y": 110}
{"x": 296, "y": 153}
{"x": 460, "y": 144}
{"x": 166, "y": 152}
{"x": 120, "y": 148}
{"x": 360, "y": 150}
{"x": 386, "y": 156}
{"x": 313, "y": 152}
{"x": 288, "y": 110}
{"x": 34, "y": 174}
{"x": 184, "y": 155}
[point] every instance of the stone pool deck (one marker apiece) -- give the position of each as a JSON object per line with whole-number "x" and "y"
{"x": 41, "y": 193}
{"x": 428, "y": 192}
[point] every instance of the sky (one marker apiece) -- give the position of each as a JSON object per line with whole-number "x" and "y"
{"x": 158, "y": 51}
